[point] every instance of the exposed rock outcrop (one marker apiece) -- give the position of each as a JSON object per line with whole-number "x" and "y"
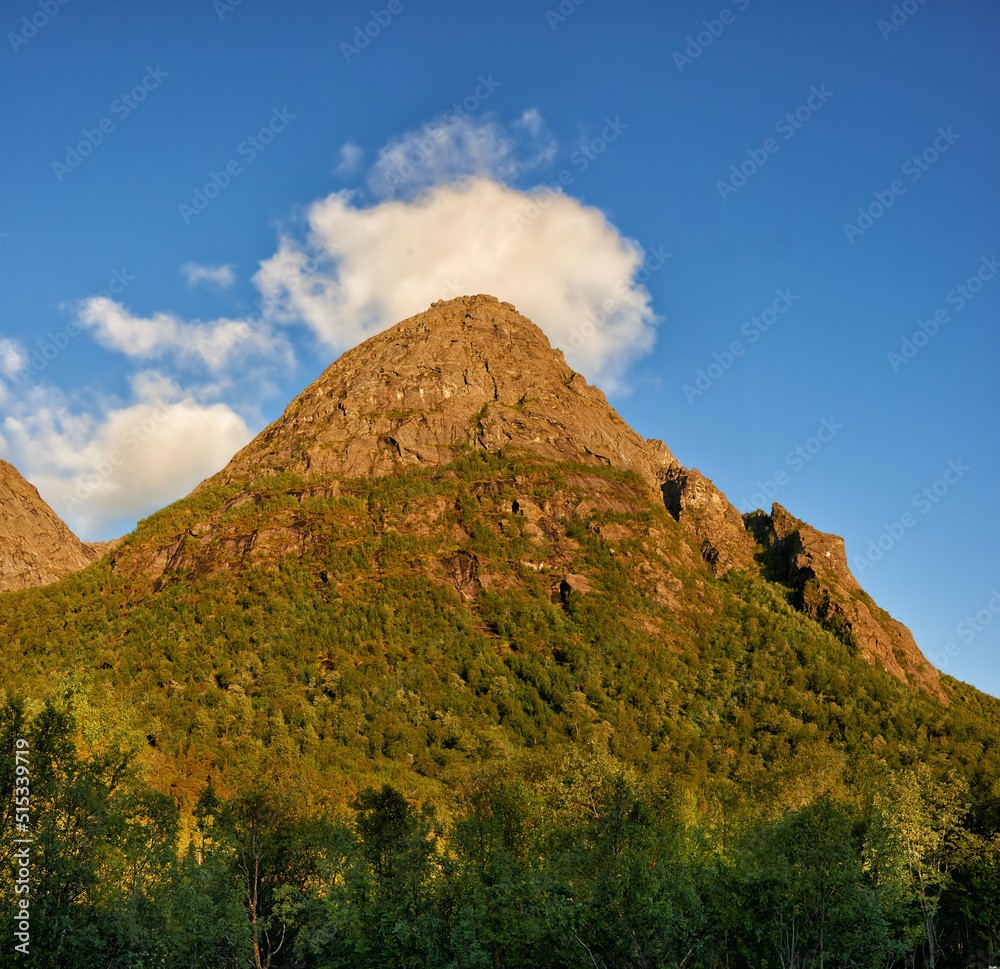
{"x": 473, "y": 374}
{"x": 696, "y": 503}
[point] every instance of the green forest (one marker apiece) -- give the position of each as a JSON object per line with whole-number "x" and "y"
{"x": 334, "y": 758}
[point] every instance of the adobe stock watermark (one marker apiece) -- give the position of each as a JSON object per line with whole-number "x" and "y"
{"x": 249, "y": 148}
{"x": 47, "y": 9}
{"x": 266, "y": 306}
{"x": 899, "y": 16}
{"x": 365, "y": 33}
{"x": 923, "y": 501}
{"x": 129, "y": 441}
{"x": 565, "y": 10}
{"x": 959, "y": 297}
{"x": 795, "y": 460}
{"x": 753, "y": 329}
{"x": 47, "y": 349}
{"x": 698, "y": 43}
{"x": 968, "y": 629}
{"x": 223, "y": 8}
{"x": 787, "y": 126}
{"x": 121, "y": 107}
{"x": 914, "y": 167}
{"x": 423, "y": 148}
{"x": 582, "y": 157}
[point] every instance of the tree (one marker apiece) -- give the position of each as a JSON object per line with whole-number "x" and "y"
{"x": 269, "y": 851}
{"x": 916, "y": 840}
{"x": 102, "y": 843}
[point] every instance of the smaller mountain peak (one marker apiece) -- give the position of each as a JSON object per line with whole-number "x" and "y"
{"x": 815, "y": 564}
{"x": 36, "y": 546}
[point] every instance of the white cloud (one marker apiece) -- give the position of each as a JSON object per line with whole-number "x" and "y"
{"x": 456, "y": 146}
{"x": 97, "y": 470}
{"x": 214, "y": 344}
{"x": 560, "y": 262}
{"x": 219, "y": 275}
{"x": 351, "y": 157}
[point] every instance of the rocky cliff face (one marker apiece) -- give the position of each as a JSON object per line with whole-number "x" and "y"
{"x": 36, "y": 547}
{"x": 815, "y": 564}
{"x": 698, "y": 505}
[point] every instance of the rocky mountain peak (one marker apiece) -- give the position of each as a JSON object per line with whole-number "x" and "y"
{"x": 36, "y": 547}
{"x": 466, "y": 373}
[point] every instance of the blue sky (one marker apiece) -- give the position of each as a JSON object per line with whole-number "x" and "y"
{"x": 206, "y": 202}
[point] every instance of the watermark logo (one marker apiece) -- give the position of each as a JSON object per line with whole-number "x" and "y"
{"x": 424, "y": 147}
{"x": 365, "y": 33}
{"x": 923, "y": 501}
{"x": 47, "y": 9}
{"x": 787, "y": 126}
{"x": 121, "y": 108}
{"x": 582, "y": 158}
{"x": 46, "y": 350}
{"x": 223, "y": 8}
{"x": 22, "y": 853}
{"x": 899, "y": 17}
{"x": 912, "y": 169}
{"x": 753, "y": 329}
{"x": 927, "y": 329}
{"x": 796, "y": 459}
{"x": 698, "y": 43}
{"x": 968, "y": 629}
{"x": 249, "y": 149}
{"x": 565, "y": 10}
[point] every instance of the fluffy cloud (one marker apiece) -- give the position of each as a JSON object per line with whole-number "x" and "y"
{"x": 215, "y": 344}
{"x": 560, "y": 262}
{"x": 219, "y": 275}
{"x": 101, "y": 471}
{"x": 456, "y": 146}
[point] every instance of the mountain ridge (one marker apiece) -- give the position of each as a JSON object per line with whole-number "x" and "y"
{"x": 472, "y": 374}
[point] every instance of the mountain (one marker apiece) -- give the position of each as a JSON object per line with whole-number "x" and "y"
{"x": 36, "y": 547}
{"x": 472, "y": 374}
{"x": 451, "y": 548}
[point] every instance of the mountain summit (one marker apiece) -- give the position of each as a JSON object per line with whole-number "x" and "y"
{"x": 471, "y": 372}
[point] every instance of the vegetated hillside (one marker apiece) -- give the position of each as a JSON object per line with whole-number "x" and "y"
{"x": 500, "y": 601}
{"x": 419, "y": 624}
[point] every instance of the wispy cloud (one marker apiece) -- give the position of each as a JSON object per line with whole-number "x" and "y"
{"x": 223, "y": 276}
{"x": 351, "y": 157}
{"x": 453, "y": 147}
{"x": 214, "y": 344}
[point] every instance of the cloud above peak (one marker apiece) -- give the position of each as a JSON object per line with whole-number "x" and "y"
{"x": 563, "y": 264}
